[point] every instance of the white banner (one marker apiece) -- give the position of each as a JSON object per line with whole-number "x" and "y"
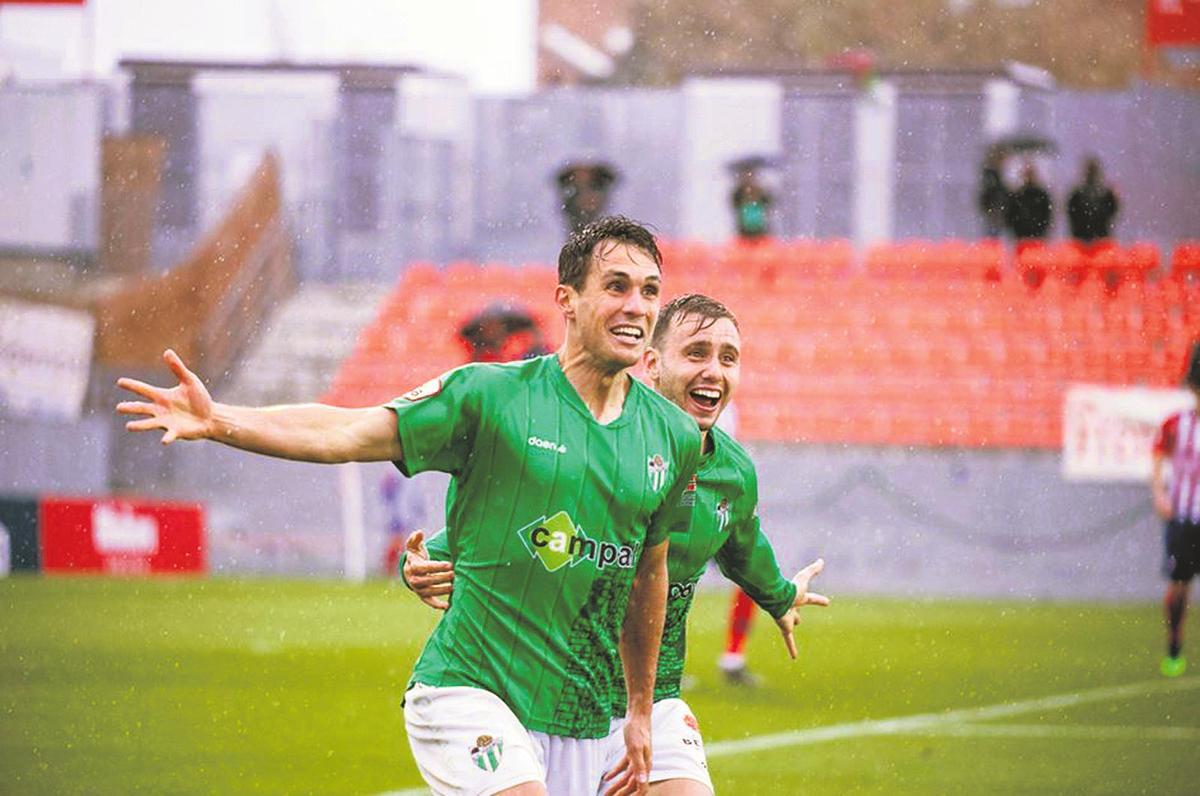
{"x": 1108, "y": 432}
{"x": 45, "y": 358}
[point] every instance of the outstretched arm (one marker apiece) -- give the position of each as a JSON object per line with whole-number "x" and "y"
{"x": 748, "y": 559}
{"x": 305, "y": 432}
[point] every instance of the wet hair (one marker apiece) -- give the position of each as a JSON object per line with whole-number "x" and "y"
{"x": 580, "y": 249}
{"x": 705, "y": 310}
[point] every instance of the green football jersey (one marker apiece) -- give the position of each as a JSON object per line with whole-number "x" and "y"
{"x": 724, "y": 526}
{"x": 547, "y": 515}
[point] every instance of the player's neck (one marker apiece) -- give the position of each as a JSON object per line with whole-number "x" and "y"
{"x": 706, "y": 442}
{"x": 602, "y": 389}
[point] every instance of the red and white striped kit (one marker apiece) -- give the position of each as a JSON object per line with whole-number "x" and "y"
{"x": 1179, "y": 440}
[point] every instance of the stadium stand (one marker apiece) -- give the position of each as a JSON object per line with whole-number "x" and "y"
{"x": 295, "y": 356}
{"x": 932, "y": 344}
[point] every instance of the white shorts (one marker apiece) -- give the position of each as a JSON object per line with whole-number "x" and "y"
{"x": 678, "y": 750}
{"x": 467, "y": 742}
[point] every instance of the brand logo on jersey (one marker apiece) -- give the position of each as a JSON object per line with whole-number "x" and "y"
{"x": 690, "y": 721}
{"x": 657, "y": 466}
{"x": 689, "y": 495}
{"x": 546, "y": 445}
{"x": 426, "y": 390}
{"x": 681, "y": 591}
{"x": 558, "y": 541}
{"x": 722, "y": 514}
{"x": 487, "y": 751}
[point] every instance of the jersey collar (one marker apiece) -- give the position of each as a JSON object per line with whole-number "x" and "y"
{"x": 571, "y": 395}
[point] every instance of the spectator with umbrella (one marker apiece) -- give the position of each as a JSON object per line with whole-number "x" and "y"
{"x": 751, "y": 200}
{"x": 583, "y": 188}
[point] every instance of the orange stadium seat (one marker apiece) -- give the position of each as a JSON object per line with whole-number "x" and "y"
{"x": 1185, "y": 261}
{"x": 900, "y": 355}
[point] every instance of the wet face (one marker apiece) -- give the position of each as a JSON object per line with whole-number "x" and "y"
{"x": 698, "y": 368}
{"x": 618, "y": 305}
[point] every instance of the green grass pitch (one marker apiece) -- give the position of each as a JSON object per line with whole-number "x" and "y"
{"x": 263, "y": 686}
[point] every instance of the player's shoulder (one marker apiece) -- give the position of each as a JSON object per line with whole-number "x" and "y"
{"x": 484, "y": 375}
{"x": 473, "y": 379}
{"x": 733, "y": 455}
{"x": 679, "y": 420}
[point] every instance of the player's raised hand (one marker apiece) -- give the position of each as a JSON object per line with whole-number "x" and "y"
{"x": 430, "y": 580}
{"x": 184, "y": 411}
{"x": 632, "y": 775}
{"x": 787, "y": 623}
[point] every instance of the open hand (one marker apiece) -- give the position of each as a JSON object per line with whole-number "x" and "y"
{"x": 183, "y": 412}
{"x": 632, "y": 775}
{"x": 788, "y": 621}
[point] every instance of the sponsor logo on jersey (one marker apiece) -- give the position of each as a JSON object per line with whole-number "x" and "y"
{"x": 690, "y": 721}
{"x": 546, "y": 445}
{"x": 558, "y": 541}
{"x": 657, "y": 466}
{"x": 722, "y": 514}
{"x": 689, "y": 494}
{"x": 426, "y": 390}
{"x": 487, "y": 752}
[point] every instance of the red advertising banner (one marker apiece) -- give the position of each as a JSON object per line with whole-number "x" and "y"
{"x": 1172, "y": 23}
{"x": 121, "y": 537}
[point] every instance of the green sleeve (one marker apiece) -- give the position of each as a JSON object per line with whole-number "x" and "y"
{"x": 748, "y": 560}
{"x": 436, "y": 423}
{"x": 675, "y": 513}
{"x": 438, "y": 547}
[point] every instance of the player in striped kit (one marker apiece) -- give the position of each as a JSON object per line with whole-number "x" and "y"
{"x": 694, "y": 360}
{"x": 1177, "y": 500}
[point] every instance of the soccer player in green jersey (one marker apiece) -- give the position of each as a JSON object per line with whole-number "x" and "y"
{"x": 567, "y": 478}
{"x": 694, "y": 359}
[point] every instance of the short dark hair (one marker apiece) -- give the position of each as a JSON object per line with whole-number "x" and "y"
{"x": 705, "y": 310}
{"x": 577, "y": 252}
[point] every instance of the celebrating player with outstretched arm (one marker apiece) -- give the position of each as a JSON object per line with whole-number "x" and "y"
{"x": 567, "y": 478}
{"x": 694, "y": 359}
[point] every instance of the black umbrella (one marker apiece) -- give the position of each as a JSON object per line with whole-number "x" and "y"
{"x": 1024, "y": 143}
{"x": 751, "y": 163}
{"x": 596, "y": 174}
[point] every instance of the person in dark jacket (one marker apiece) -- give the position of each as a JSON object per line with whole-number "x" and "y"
{"x": 1092, "y": 206}
{"x": 1030, "y": 208}
{"x": 993, "y": 195}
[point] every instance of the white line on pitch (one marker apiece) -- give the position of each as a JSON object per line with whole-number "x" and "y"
{"x": 951, "y": 722}
{"x": 1088, "y": 732}
{"x": 919, "y": 721}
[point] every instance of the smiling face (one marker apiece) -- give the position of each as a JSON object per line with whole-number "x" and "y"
{"x": 612, "y": 314}
{"x": 697, "y": 365}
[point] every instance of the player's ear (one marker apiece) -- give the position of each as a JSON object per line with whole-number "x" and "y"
{"x": 650, "y": 361}
{"x": 564, "y": 297}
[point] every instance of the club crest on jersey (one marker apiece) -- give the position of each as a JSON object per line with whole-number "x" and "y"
{"x": 689, "y": 495}
{"x": 558, "y": 541}
{"x": 657, "y": 466}
{"x": 722, "y": 514}
{"x": 691, "y": 722}
{"x": 487, "y": 752}
{"x": 426, "y": 390}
